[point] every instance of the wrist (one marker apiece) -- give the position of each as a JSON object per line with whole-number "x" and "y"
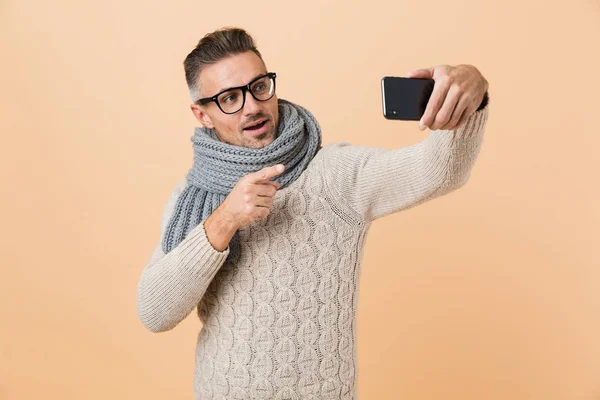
{"x": 219, "y": 230}
{"x": 225, "y": 221}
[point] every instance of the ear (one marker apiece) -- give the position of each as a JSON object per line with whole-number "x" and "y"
{"x": 202, "y": 116}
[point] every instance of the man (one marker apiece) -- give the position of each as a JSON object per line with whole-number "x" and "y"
{"x": 265, "y": 234}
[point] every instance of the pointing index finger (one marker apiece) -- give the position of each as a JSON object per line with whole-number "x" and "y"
{"x": 267, "y": 173}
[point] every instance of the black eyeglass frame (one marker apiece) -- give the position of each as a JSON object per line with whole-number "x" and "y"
{"x": 244, "y": 88}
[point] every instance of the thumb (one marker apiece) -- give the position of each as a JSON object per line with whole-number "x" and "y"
{"x": 420, "y": 73}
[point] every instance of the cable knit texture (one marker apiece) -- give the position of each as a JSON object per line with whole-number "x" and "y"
{"x": 279, "y": 320}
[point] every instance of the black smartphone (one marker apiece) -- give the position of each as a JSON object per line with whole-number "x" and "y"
{"x": 405, "y": 98}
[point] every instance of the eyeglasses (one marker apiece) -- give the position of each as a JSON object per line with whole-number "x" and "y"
{"x": 233, "y": 99}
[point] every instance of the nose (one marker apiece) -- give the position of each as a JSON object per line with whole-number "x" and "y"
{"x": 251, "y": 105}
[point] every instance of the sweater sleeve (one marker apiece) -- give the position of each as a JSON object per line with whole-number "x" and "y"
{"x": 372, "y": 182}
{"x": 172, "y": 284}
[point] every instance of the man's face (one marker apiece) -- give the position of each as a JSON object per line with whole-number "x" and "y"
{"x": 230, "y": 72}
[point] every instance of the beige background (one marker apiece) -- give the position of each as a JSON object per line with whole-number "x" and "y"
{"x": 491, "y": 292}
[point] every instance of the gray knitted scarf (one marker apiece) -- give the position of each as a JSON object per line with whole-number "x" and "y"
{"x": 219, "y": 166}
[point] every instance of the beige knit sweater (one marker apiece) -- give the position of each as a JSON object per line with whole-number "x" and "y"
{"x": 279, "y": 322}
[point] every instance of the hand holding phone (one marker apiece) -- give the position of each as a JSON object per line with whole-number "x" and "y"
{"x": 405, "y": 98}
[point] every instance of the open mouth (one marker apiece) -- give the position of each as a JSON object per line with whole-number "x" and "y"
{"x": 256, "y": 127}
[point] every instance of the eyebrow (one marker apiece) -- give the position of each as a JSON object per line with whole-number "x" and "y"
{"x": 256, "y": 76}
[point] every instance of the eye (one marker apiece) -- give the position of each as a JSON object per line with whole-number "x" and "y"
{"x": 260, "y": 87}
{"x": 229, "y": 98}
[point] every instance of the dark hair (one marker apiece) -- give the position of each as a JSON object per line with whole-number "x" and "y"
{"x": 213, "y": 47}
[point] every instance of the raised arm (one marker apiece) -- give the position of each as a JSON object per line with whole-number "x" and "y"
{"x": 372, "y": 182}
